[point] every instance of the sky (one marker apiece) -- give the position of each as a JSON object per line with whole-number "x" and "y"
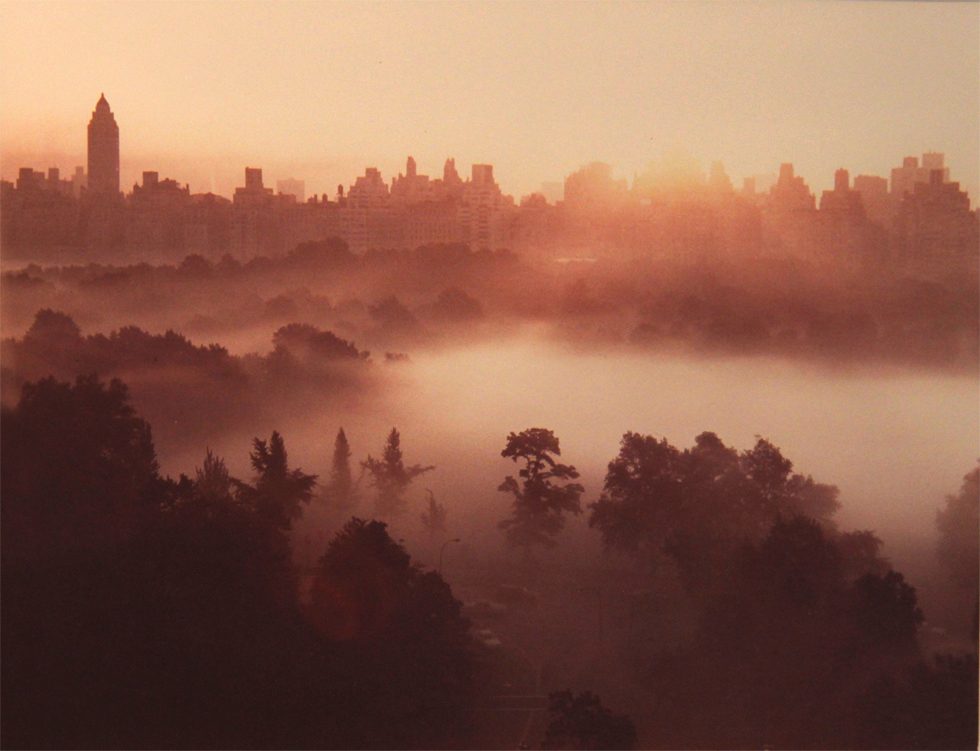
{"x": 320, "y": 90}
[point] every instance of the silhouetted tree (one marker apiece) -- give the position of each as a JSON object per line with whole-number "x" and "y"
{"x": 390, "y": 477}
{"x": 921, "y": 706}
{"x": 406, "y": 634}
{"x": 886, "y": 612}
{"x": 212, "y": 482}
{"x": 185, "y": 592}
{"x": 434, "y": 518}
{"x": 582, "y": 722}
{"x": 279, "y": 492}
{"x": 392, "y": 315}
{"x": 695, "y": 506}
{"x": 306, "y": 343}
{"x": 959, "y": 543}
{"x": 454, "y": 304}
{"x": 134, "y": 586}
{"x": 52, "y": 328}
{"x": 78, "y": 467}
{"x": 340, "y": 492}
{"x": 785, "y": 644}
{"x": 540, "y": 503}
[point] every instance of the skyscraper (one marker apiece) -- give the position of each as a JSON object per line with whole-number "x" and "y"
{"x": 103, "y": 151}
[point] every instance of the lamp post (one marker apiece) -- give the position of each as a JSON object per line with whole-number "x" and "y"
{"x": 443, "y": 550}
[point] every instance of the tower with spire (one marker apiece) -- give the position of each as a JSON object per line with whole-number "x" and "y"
{"x": 103, "y": 151}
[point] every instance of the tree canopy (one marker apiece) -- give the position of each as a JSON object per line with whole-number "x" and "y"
{"x": 340, "y": 492}
{"x": 403, "y": 627}
{"x": 694, "y": 505}
{"x": 390, "y": 477}
{"x": 78, "y": 466}
{"x": 959, "y": 543}
{"x": 279, "y": 492}
{"x": 540, "y": 501}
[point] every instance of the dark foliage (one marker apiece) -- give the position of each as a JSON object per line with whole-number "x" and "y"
{"x": 928, "y": 706}
{"x": 434, "y": 517}
{"x": 187, "y": 391}
{"x": 959, "y": 543}
{"x": 390, "y": 477}
{"x": 786, "y": 648}
{"x": 78, "y": 468}
{"x": 540, "y": 503}
{"x": 141, "y": 612}
{"x": 409, "y": 641}
{"x": 581, "y": 722}
{"x": 696, "y": 506}
{"x": 340, "y": 493}
{"x": 279, "y": 492}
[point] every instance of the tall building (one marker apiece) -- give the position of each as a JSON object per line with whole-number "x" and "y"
{"x": 103, "y": 151}
{"x": 842, "y": 200}
{"x": 790, "y": 193}
{"x": 910, "y": 174}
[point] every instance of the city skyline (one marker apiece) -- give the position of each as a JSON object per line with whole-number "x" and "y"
{"x": 104, "y": 157}
{"x": 823, "y": 87}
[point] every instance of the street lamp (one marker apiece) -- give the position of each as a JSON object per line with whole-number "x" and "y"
{"x": 443, "y": 550}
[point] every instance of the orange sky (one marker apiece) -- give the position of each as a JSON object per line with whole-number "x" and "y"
{"x": 319, "y": 90}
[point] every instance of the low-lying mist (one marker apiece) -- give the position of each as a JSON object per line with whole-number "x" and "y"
{"x": 893, "y": 441}
{"x": 588, "y": 614}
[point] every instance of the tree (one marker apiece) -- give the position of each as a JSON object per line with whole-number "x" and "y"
{"x": 434, "y": 519}
{"x": 212, "y": 482}
{"x": 694, "y": 507}
{"x": 786, "y": 643}
{"x": 582, "y": 722}
{"x": 307, "y": 343}
{"x": 54, "y": 328}
{"x": 78, "y": 467}
{"x": 540, "y": 503}
{"x": 279, "y": 492}
{"x": 959, "y": 546}
{"x": 390, "y": 477}
{"x": 886, "y": 611}
{"x": 340, "y": 491}
{"x": 406, "y": 635}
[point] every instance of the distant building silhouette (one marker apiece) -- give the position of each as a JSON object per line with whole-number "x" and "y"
{"x": 935, "y": 224}
{"x": 103, "y": 151}
{"x": 593, "y": 188}
{"x": 790, "y": 193}
{"x": 156, "y": 217}
{"x": 842, "y": 200}
{"x": 292, "y": 187}
{"x": 918, "y": 220}
{"x": 910, "y": 174}
{"x": 482, "y": 210}
{"x": 79, "y": 181}
{"x": 874, "y": 197}
{"x": 411, "y": 187}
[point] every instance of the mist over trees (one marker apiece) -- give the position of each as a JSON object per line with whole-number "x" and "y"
{"x": 728, "y": 609}
{"x": 696, "y": 506}
{"x": 959, "y": 545}
{"x": 140, "y": 611}
{"x": 221, "y": 416}
{"x": 191, "y": 392}
{"x": 340, "y": 493}
{"x": 751, "y": 303}
{"x": 279, "y": 492}
{"x": 390, "y": 477}
{"x": 120, "y": 584}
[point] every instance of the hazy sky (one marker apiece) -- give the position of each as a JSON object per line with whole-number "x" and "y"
{"x": 319, "y": 90}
